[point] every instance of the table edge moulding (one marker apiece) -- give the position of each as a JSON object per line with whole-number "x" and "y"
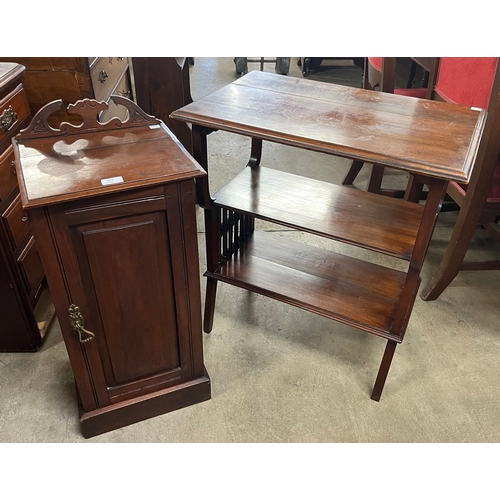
{"x": 437, "y": 142}
{"x": 114, "y": 207}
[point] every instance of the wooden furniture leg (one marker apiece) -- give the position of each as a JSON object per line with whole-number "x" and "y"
{"x": 437, "y": 192}
{"x": 455, "y": 252}
{"x": 390, "y": 348}
{"x": 375, "y": 183}
{"x": 413, "y": 190}
{"x": 212, "y": 224}
{"x": 353, "y": 172}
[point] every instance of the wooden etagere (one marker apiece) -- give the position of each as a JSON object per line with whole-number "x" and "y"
{"x": 405, "y": 133}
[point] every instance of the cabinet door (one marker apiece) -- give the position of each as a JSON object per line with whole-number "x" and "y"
{"x": 125, "y": 265}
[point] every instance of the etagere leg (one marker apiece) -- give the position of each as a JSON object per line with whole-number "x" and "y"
{"x": 390, "y": 348}
{"x": 212, "y": 223}
{"x": 211, "y": 292}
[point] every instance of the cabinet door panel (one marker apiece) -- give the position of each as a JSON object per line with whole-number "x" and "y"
{"x": 118, "y": 271}
{"x": 129, "y": 264}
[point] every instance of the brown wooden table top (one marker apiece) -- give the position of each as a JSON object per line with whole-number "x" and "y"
{"x": 417, "y": 135}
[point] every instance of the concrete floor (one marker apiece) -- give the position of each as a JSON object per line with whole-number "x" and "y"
{"x": 281, "y": 374}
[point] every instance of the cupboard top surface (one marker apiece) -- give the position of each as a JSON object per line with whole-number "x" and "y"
{"x": 62, "y": 167}
{"x": 428, "y": 137}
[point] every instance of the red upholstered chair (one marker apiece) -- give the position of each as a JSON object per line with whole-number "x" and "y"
{"x": 379, "y": 74}
{"x": 475, "y": 82}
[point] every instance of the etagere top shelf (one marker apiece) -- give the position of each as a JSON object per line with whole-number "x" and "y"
{"x": 417, "y": 135}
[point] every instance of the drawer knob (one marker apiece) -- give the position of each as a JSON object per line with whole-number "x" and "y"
{"x": 102, "y": 76}
{"x": 8, "y": 119}
{"x": 76, "y": 319}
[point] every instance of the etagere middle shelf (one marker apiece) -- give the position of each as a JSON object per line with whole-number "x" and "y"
{"x": 433, "y": 141}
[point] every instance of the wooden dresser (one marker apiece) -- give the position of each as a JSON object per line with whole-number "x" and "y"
{"x": 113, "y": 207}
{"x": 72, "y": 78}
{"x": 24, "y": 315}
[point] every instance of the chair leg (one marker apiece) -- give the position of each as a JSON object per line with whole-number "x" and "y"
{"x": 414, "y": 190}
{"x": 353, "y": 172}
{"x": 411, "y": 77}
{"x": 390, "y": 348}
{"x": 375, "y": 183}
{"x": 452, "y": 260}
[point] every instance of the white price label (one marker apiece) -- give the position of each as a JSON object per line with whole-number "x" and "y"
{"x": 112, "y": 180}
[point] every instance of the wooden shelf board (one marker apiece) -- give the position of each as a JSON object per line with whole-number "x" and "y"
{"x": 353, "y": 292}
{"x": 380, "y": 223}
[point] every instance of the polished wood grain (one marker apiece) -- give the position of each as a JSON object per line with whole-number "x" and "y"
{"x": 420, "y": 136}
{"x": 339, "y": 287}
{"x": 362, "y": 219}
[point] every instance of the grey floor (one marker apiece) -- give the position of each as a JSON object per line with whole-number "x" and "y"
{"x": 281, "y": 374}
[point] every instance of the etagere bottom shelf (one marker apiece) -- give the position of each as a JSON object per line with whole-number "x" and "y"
{"x": 354, "y": 292}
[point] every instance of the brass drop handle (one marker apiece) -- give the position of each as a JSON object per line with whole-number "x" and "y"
{"x": 102, "y": 76}
{"x": 76, "y": 319}
{"x": 13, "y": 165}
{"x": 8, "y": 119}
{"x": 25, "y": 218}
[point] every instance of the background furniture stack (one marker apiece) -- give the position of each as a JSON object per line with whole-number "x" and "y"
{"x": 73, "y": 78}
{"x": 26, "y": 311}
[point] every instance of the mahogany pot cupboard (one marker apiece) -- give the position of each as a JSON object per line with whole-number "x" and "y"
{"x": 112, "y": 206}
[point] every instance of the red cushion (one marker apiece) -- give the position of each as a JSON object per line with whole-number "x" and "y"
{"x": 419, "y": 93}
{"x": 466, "y": 80}
{"x": 376, "y": 62}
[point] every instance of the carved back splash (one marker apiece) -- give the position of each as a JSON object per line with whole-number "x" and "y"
{"x": 89, "y": 110}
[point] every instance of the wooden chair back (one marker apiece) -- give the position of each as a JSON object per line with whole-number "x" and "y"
{"x": 479, "y": 201}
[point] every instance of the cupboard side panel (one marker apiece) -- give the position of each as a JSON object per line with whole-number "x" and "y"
{"x": 181, "y": 212}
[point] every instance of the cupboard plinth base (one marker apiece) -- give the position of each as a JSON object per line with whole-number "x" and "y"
{"x": 142, "y": 408}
